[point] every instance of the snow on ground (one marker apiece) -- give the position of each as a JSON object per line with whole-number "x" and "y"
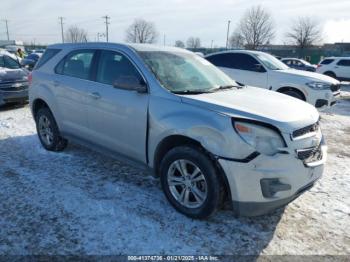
{"x": 81, "y": 202}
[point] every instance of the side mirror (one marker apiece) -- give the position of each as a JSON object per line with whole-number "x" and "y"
{"x": 131, "y": 83}
{"x": 259, "y": 68}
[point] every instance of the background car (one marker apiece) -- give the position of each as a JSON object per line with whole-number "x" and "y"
{"x": 336, "y": 67}
{"x": 264, "y": 70}
{"x": 299, "y": 64}
{"x": 30, "y": 60}
{"x": 13, "y": 80}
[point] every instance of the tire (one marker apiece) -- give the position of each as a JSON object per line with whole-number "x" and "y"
{"x": 331, "y": 74}
{"x": 294, "y": 93}
{"x": 48, "y": 132}
{"x": 204, "y": 195}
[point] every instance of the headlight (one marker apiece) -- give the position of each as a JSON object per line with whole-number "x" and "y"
{"x": 265, "y": 140}
{"x": 318, "y": 85}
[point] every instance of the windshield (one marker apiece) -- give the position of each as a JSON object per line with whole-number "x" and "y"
{"x": 180, "y": 71}
{"x": 271, "y": 62}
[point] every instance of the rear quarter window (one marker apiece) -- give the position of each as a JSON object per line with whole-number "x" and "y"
{"x": 48, "y": 54}
{"x": 344, "y": 62}
{"x": 327, "y": 61}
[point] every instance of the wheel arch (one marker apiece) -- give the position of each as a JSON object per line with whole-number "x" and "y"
{"x": 173, "y": 141}
{"x": 291, "y": 88}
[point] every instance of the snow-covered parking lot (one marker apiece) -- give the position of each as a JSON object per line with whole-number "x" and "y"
{"x": 82, "y": 202}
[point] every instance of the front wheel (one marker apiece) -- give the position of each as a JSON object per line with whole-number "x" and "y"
{"x": 48, "y": 132}
{"x": 190, "y": 182}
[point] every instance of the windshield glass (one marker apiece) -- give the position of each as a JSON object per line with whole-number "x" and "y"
{"x": 180, "y": 71}
{"x": 271, "y": 62}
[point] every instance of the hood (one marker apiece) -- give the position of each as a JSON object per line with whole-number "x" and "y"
{"x": 310, "y": 75}
{"x": 284, "y": 112}
{"x": 10, "y": 75}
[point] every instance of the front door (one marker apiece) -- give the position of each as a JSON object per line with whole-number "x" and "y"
{"x": 117, "y": 117}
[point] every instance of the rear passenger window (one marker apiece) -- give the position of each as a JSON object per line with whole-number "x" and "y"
{"x": 221, "y": 60}
{"x": 235, "y": 61}
{"x": 48, "y": 54}
{"x": 76, "y": 64}
{"x": 114, "y": 67}
{"x": 344, "y": 62}
{"x": 327, "y": 61}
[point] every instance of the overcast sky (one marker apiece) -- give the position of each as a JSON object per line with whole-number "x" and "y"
{"x": 177, "y": 19}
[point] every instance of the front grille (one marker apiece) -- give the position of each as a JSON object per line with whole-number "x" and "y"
{"x": 335, "y": 88}
{"x": 305, "y": 130}
{"x": 310, "y": 155}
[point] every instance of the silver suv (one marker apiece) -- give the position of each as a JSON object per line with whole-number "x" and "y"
{"x": 207, "y": 137}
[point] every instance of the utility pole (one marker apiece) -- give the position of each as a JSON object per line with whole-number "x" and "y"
{"x": 61, "y": 22}
{"x": 211, "y": 46}
{"x": 164, "y": 40}
{"x": 106, "y": 17}
{"x": 7, "y": 29}
{"x": 228, "y": 32}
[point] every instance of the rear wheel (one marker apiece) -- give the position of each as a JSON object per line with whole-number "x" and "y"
{"x": 190, "y": 182}
{"x": 48, "y": 132}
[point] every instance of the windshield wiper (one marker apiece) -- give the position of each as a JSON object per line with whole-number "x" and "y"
{"x": 191, "y": 92}
{"x": 227, "y": 87}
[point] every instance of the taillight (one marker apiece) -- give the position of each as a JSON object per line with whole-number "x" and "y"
{"x": 319, "y": 65}
{"x": 30, "y": 78}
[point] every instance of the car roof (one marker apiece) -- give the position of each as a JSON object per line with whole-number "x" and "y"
{"x": 236, "y": 52}
{"x": 336, "y": 57}
{"x": 136, "y": 47}
{"x": 291, "y": 58}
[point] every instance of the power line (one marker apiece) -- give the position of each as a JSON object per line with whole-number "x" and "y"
{"x": 61, "y": 22}
{"x": 106, "y": 17}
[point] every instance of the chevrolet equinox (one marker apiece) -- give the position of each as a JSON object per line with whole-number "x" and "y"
{"x": 208, "y": 138}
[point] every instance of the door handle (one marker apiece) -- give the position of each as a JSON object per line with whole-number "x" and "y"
{"x": 95, "y": 95}
{"x": 56, "y": 83}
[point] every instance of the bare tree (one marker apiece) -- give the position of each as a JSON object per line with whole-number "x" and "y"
{"x": 236, "y": 40}
{"x": 304, "y": 32}
{"x": 179, "y": 43}
{"x": 74, "y": 34}
{"x": 141, "y": 31}
{"x": 193, "y": 42}
{"x": 256, "y": 27}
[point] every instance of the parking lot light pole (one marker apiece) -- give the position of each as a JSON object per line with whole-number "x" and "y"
{"x": 228, "y": 32}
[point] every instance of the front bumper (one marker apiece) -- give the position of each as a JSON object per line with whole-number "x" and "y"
{"x": 13, "y": 96}
{"x": 293, "y": 177}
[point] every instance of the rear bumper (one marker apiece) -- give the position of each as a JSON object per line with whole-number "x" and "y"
{"x": 13, "y": 96}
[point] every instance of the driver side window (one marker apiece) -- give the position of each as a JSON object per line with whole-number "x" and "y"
{"x": 114, "y": 67}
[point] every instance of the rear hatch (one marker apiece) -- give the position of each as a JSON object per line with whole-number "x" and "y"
{"x": 13, "y": 79}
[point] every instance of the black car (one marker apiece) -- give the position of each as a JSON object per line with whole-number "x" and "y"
{"x": 13, "y": 81}
{"x": 30, "y": 61}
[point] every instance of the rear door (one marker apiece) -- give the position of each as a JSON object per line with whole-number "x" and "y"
{"x": 72, "y": 87}
{"x": 118, "y": 118}
{"x": 343, "y": 68}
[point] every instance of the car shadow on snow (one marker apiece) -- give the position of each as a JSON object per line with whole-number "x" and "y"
{"x": 95, "y": 204}
{"x": 11, "y": 106}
